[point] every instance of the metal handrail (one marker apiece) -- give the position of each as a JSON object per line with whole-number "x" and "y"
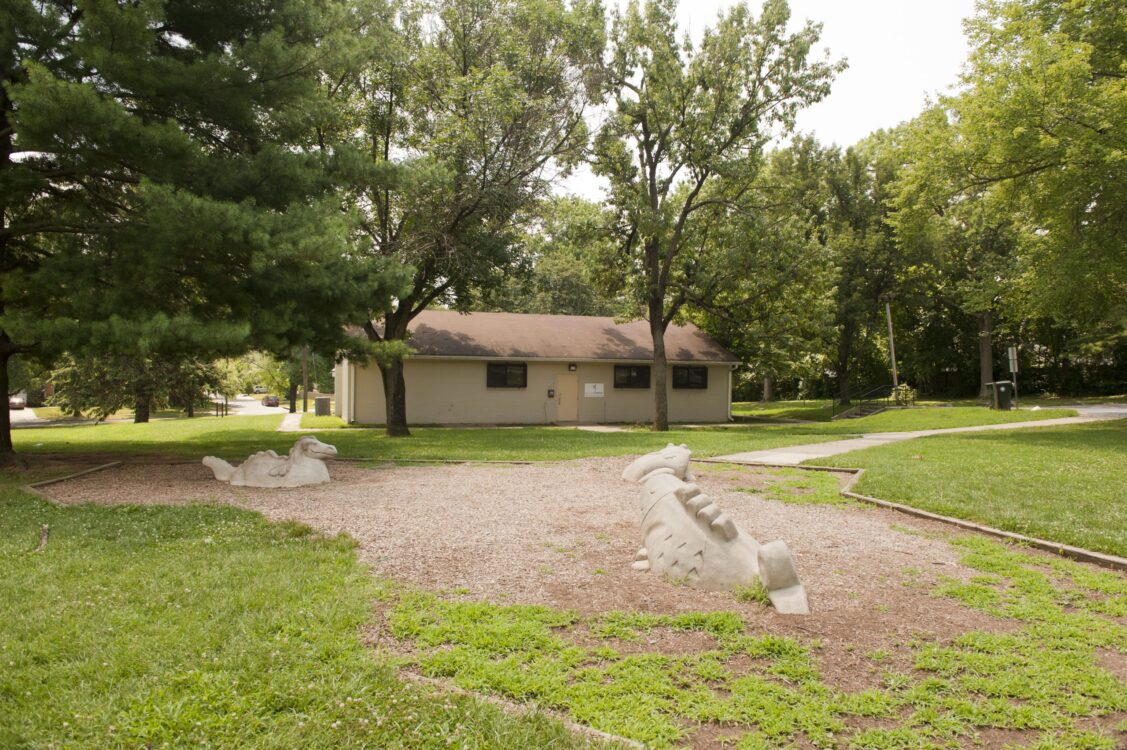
{"x": 874, "y": 394}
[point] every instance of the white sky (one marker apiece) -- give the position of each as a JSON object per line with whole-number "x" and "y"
{"x": 900, "y": 53}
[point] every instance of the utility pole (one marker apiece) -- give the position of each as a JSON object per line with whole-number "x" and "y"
{"x": 305, "y": 378}
{"x": 891, "y": 345}
{"x": 1011, "y": 353}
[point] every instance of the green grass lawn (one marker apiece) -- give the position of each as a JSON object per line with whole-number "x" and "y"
{"x": 1053, "y": 400}
{"x": 1048, "y": 400}
{"x": 236, "y": 437}
{"x": 206, "y": 626}
{"x": 938, "y": 418}
{"x": 55, "y": 413}
{"x": 815, "y": 410}
{"x": 310, "y": 421}
{"x": 1064, "y": 483}
{"x": 926, "y": 417}
{"x": 51, "y": 412}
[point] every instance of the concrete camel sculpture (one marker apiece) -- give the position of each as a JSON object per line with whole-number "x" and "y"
{"x": 303, "y": 465}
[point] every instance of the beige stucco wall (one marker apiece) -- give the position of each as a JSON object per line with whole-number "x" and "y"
{"x": 449, "y": 391}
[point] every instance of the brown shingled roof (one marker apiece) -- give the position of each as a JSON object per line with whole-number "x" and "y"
{"x": 445, "y": 333}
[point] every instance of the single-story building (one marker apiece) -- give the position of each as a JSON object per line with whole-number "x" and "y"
{"x": 509, "y": 368}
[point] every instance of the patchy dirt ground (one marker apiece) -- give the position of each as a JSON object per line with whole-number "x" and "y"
{"x": 564, "y": 535}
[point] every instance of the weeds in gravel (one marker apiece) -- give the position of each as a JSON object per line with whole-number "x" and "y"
{"x": 756, "y": 593}
{"x": 1043, "y": 679}
{"x": 794, "y": 486}
{"x": 800, "y": 487}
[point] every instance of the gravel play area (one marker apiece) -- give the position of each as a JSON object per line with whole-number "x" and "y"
{"x": 564, "y": 534}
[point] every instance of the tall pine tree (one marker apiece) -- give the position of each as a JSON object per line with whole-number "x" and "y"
{"x": 163, "y": 191}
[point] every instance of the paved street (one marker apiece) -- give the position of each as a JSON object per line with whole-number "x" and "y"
{"x": 23, "y": 416}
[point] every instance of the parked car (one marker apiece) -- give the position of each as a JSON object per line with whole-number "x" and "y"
{"x": 260, "y": 389}
{"x": 270, "y": 401}
{"x": 18, "y": 401}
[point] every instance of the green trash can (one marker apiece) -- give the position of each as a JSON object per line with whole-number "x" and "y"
{"x": 1004, "y": 395}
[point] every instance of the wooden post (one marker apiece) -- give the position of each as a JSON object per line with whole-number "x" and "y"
{"x": 891, "y": 345}
{"x": 305, "y": 378}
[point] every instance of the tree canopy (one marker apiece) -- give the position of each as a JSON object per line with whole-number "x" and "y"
{"x": 1042, "y": 123}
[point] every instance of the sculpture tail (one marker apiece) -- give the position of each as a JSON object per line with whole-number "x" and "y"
{"x": 219, "y": 467}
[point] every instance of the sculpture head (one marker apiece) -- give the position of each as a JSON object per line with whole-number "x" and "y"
{"x": 675, "y": 457}
{"x": 313, "y": 448}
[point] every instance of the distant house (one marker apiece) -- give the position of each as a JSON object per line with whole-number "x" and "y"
{"x": 507, "y": 368}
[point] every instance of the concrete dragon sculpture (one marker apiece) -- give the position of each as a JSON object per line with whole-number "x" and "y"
{"x": 303, "y": 465}
{"x": 689, "y": 538}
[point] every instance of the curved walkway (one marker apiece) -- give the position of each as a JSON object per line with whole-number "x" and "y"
{"x": 793, "y": 455}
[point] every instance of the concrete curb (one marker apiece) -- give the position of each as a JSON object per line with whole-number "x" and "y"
{"x": 1065, "y": 550}
{"x": 515, "y": 462}
{"x": 33, "y": 488}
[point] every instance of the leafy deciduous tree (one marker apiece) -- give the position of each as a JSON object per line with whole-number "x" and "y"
{"x": 687, "y": 134}
{"x": 1043, "y": 122}
{"x": 474, "y": 106}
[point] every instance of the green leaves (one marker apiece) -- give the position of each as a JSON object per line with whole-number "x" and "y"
{"x": 1041, "y": 126}
{"x": 684, "y": 144}
{"x": 168, "y": 190}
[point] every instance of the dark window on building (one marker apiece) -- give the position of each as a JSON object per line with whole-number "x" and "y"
{"x": 502, "y": 375}
{"x": 631, "y": 376}
{"x": 690, "y": 377}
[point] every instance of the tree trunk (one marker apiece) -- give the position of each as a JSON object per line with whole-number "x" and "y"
{"x": 768, "y": 389}
{"x": 291, "y": 393}
{"x": 844, "y": 349}
{"x": 7, "y": 450}
{"x": 141, "y": 408}
{"x": 395, "y": 398}
{"x": 8, "y": 455}
{"x": 985, "y": 352}
{"x": 191, "y": 409}
{"x": 661, "y": 396}
{"x": 394, "y": 384}
{"x": 305, "y": 378}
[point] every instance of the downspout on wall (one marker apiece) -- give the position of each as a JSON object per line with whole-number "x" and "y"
{"x": 731, "y": 370}
{"x": 351, "y": 394}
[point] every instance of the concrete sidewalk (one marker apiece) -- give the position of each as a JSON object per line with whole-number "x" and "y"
{"x": 290, "y": 423}
{"x": 796, "y": 454}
